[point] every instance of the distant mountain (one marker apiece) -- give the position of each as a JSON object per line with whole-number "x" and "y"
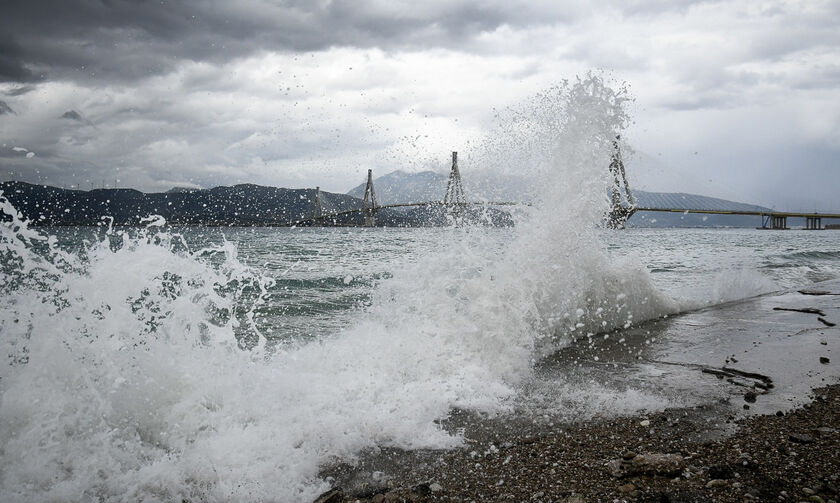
{"x": 400, "y": 187}
{"x": 404, "y": 187}
{"x": 240, "y": 205}
{"x": 681, "y": 200}
{"x": 175, "y": 190}
{"x": 690, "y": 202}
{"x": 256, "y": 205}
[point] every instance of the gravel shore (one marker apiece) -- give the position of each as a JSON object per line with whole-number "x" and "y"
{"x": 671, "y": 456}
{"x": 749, "y": 430}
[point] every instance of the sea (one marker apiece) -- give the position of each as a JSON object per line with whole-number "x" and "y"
{"x": 220, "y": 364}
{"x": 161, "y": 363}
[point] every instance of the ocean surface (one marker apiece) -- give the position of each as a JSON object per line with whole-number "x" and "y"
{"x": 208, "y": 364}
{"x": 229, "y": 363}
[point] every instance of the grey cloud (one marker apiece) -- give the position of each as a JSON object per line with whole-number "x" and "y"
{"x": 19, "y": 91}
{"x": 126, "y": 40}
{"x": 825, "y": 77}
{"x": 165, "y": 129}
{"x": 799, "y": 32}
{"x": 72, "y": 115}
{"x": 13, "y": 66}
{"x": 656, "y": 7}
{"x": 5, "y": 109}
{"x": 8, "y": 152}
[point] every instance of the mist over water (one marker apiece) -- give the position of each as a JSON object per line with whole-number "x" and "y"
{"x": 159, "y": 364}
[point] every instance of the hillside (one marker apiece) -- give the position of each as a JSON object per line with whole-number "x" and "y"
{"x": 255, "y": 205}
{"x": 403, "y": 187}
{"x": 239, "y": 205}
{"x": 694, "y": 202}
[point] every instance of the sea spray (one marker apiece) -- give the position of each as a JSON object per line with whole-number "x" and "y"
{"x": 138, "y": 373}
{"x": 561, "y": 142}
{"x": 100, "y": 355}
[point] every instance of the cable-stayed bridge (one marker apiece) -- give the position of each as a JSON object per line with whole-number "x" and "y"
{"x": 623, "y": 203}
{"x": 454, "y": 202}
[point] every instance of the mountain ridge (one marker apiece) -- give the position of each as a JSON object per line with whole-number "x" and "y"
{"x": 237, "y": 205}
{"x": 399, "y": 187}
{"x": 257, "y": 205}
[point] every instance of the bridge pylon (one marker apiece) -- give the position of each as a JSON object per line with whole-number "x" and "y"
{"x": 454, "y": 199}
{"x": 370, "y": 204}
{"x": 618, "y": 214}
{"x": 317, "y": 207}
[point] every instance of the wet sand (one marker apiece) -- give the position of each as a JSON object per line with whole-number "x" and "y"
{"x": 759, "y": 420}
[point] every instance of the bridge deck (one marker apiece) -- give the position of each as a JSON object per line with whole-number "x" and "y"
{"x": 793, "y": 214}
{"x": 402, "y": 205}
{"x": 759, "y": 213}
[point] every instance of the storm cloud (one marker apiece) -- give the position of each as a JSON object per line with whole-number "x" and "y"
{"x": 72, "y": 115}
{"x": 730, "y": 97}
{"x": 126, "y": 40}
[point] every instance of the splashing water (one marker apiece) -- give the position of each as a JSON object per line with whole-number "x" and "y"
{"x": 134, "y": 372}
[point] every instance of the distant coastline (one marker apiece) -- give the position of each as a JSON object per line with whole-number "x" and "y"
{"x": 250, "y": 205}
{"x": 244, "y": 205}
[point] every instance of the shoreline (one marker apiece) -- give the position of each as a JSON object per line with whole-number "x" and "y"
{"x": 760, "y": 422}
{"x": 662, "y": 457}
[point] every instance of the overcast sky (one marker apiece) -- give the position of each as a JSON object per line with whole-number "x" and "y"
{"x": 738, "y": 99}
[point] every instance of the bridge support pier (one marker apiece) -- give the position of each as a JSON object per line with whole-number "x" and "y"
{"x": 778, "y": 222}
{"x": 317, "y": 209}
{"x": 813, "y": 223}
{"x": 370, "y": 218}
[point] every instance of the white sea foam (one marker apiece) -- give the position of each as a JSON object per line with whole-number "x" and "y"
{"x": 126, "y": 380}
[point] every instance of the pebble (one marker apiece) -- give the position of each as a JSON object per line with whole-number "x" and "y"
{"x": 648, "y": 464}
{"x": 435, "y": 487}
{"x": 422, "y": 489}
{"x": 714, "y": 472}
{"x": 331, "y": 496}
{"x": 626, "y": 488}
{"x": 393, "y": 497}
{"x": 645, "y": 423}
{"x": 824, "y": 359}
{"x": 721, "y": 472}
{"x": 800, "y": 438}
